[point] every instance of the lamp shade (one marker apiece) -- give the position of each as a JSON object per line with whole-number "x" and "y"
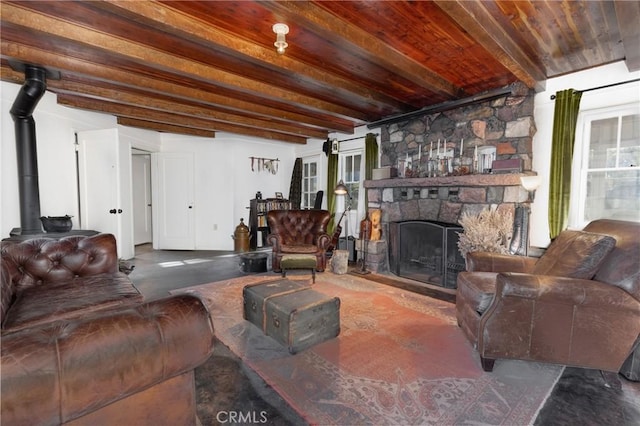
{"x": 530, "y": 183}
{"x": 341, "y": 189}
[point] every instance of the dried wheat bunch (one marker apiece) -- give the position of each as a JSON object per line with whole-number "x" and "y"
{"x": 489, "y": 230}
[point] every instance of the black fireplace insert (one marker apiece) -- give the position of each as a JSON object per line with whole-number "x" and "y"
{"x": 425, "y": 251}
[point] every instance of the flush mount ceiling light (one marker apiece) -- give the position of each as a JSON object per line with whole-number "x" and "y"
{"x": 280, "y": 30}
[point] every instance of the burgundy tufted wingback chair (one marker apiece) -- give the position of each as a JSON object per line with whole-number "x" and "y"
{"x": 299, "y": 232}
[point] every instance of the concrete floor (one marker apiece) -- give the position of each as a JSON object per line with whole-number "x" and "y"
{"x": 581, "y": 397}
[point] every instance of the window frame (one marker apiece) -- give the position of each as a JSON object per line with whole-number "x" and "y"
{"x": 307, "y": 195}
{"x": 357, "y": 203}
{"x": 580, "y": 165}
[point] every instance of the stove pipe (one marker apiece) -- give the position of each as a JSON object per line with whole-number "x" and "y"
{"x": 26, "y": 149}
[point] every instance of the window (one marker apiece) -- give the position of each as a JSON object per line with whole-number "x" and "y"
{"x": 609, "y": 175}
{"x": 309, "y": 183}
{"x": 351, "y": 164}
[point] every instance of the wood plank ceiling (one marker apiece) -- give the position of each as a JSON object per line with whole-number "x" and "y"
{"x": 197, "y": 67}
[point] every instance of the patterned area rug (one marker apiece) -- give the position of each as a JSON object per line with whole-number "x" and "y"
{"x": 399, "y": 359}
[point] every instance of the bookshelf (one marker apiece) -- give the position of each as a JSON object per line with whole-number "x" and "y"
{"x": 258, "y": 226}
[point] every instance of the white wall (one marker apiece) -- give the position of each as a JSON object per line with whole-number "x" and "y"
{"x": 55, "y": 128}
{"x": 543, "y": 113}
{"x": 224, "y": 182}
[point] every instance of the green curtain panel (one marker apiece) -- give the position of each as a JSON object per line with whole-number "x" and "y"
{"x": 332, "y": 181}
{"x": 564, "y": 131}
{"x": 370, "y": 161}
{"x": 295, "y": 188}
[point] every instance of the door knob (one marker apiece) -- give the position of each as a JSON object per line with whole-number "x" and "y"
{"x": 119, "y": 210}
{"x": 190, "y": 207}
{"x": 112, "y": 211}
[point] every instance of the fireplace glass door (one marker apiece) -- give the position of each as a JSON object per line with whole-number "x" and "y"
{"x": 425, "y": 251}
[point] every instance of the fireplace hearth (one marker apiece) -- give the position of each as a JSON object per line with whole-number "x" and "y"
{"x": 425, "y": 251}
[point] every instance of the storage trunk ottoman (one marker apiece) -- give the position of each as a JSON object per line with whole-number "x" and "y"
{"x": 255, "y": 296}
{"x": 298, "y": 318}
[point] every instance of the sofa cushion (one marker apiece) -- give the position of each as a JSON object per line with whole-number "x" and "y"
{"x": 477, "y": 289}
{"x": 575, "y": 254}
{"x": 67, "y": 300}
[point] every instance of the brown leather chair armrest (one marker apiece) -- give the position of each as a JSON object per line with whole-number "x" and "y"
{"x": 568, "y": 291}
{"x": 481, "y": 261}
{"x": 62, "y": 371}
{"x": 323, "y": 241}
{"x": 275, "y": 241}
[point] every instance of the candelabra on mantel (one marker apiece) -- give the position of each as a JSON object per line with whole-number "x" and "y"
{"x": 444, "y": 162}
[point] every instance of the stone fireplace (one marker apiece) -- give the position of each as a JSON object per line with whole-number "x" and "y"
{"x": 505, "y": 125}
{"x": 439, "y": 199}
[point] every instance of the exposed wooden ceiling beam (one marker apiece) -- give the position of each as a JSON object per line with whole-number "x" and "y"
{"x": 105, "y": 73}
{"x": 628, "y": 14}
{"x": 349, "y": 63}
{"x": 163, "y": 60}
{"x": 174, "y": 119}
{"x": 313, "y": 16}
{"x": 165, "y": 128}
{"x": 473, "y": 16}
{"x": 151, "y": 101}
{"x": 175, "y": 22}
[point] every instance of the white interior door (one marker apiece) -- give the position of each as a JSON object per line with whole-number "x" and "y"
{"x": 104, "y": 168}
{"x": 141, "y": 177}
{"x": 174, "y": 209}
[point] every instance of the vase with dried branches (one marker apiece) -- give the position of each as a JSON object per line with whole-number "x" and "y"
{"x": 490, "y": 230}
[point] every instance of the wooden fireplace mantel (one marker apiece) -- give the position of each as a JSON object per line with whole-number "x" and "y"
{"x": 506, "y": 179}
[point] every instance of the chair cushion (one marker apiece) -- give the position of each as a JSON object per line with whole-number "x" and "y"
{"x": 477, "y": 289}
{"x": 299, "y": 248}
{"x": 575, "y": 254}
{"x": 298, "y": 261}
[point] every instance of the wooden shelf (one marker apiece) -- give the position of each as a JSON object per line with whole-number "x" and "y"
{"x": 258, "y": 219}
{"x": 506, "y": 179}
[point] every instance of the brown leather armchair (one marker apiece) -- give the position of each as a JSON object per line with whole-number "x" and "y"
{"x": 298, "y": 232}
{"x": 577, "y": 305}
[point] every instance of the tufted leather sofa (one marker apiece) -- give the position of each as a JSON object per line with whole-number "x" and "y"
{"x": 80, "y": 346}
{"x": 298, "y": 232}
{"x": 577, "y": 305}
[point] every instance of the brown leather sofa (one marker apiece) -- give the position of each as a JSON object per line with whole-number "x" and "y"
{"x": 577, "y": 305}
{"x": 79, "y": 345}
{"x": 298, "y": 232}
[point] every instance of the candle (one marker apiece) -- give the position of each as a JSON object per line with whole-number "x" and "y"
{"x": 438, "y": 151}
{"x": 461, "y": 146}
{"x": 419, "y": 152}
